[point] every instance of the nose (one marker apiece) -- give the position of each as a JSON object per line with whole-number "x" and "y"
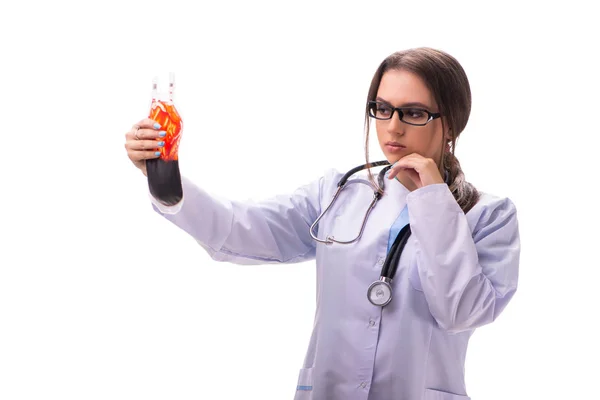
{"x": 395, "y": 126}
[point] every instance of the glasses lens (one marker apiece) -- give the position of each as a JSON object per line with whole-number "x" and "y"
{"x": 414, "y": 116}
{"x": 380, "y": 110}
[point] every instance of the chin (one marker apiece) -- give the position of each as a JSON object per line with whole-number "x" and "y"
{"x": 392, "y": 158}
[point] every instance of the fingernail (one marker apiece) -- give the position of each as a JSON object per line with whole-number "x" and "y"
{"x": 157, "y": 153}
{"x": 161, "y": 143}
{"x": 156, "y": 125}
{"x": 161, "y": 133}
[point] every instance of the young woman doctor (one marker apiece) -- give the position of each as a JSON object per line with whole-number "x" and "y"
{"x": 409, "y": 260}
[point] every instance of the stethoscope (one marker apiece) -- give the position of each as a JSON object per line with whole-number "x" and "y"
{"x": 379, "y": 292}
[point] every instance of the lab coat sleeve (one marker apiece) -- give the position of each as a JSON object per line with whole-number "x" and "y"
{"x": 271, "y": 231}
{"x": 467, "y": 264}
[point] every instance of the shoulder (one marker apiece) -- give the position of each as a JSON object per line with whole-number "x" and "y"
{"x": 330, "y": 179}
{"x": 490, "y": 204}
{"x": 492, "y": 212}
{"x": 315, "y": 189}
{"x": 333, "y": 175}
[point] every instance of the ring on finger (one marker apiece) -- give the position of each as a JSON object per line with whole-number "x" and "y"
{"x": 135, "y": 135}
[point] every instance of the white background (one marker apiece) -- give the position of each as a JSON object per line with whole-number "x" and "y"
{"x": 102, "y": 298}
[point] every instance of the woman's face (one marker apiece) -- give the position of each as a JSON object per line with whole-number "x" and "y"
{"x": 396, "y": 138}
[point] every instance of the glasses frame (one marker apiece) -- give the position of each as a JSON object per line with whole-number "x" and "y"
{"x": 400, "y": 110}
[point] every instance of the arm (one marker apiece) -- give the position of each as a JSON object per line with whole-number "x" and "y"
{"x": 468, "y": 275}
{"x": 271, "y": 231}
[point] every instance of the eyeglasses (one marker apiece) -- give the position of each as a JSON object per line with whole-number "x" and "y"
{"x": 409, "y": 115}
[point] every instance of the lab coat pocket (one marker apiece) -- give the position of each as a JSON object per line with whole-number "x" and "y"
{"x": 431, "y": 394}
{"x": 304, "y": 389}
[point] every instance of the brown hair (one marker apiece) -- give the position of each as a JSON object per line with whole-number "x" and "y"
{"x": 448, "y": 83}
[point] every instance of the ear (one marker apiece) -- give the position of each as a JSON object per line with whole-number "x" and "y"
{"x": 448, "y": 140}
{"x": 448, "y": 135}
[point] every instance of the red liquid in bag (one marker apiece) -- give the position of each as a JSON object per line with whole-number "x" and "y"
{"x": 164, "y": 179}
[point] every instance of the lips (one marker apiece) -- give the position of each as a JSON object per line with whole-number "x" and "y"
{"x": 394, "y": 148}
{"x": 395, "y": 144}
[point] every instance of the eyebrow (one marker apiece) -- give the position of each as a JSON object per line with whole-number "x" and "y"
{"x": 411, "y": 104}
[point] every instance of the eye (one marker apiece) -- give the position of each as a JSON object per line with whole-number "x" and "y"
{"x": 383, "y": 110}
{"x": 415, "y": 113}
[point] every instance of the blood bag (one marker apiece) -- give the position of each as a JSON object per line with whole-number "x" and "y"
{"x": 164, "y": 178}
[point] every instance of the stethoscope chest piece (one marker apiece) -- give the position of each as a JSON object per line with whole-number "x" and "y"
{"x": 380, "y": 292}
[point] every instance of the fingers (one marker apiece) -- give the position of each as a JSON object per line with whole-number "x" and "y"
{"x": 140, "y": 155}
{"x": 145, "y": 129}
{"x": 143, "y": 141}
{"x": 412, "y": 161}
{"x": 421, "y": 170}
{"x": 414, "y": 176}
{"x": 142, "y": 145}
{"x": 147, "y": 123}
{"x": 402, "y": 164}
{"x": 409, "y": 173}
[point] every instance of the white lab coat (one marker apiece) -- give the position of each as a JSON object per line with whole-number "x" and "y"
{"x": 457, "y": 272}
